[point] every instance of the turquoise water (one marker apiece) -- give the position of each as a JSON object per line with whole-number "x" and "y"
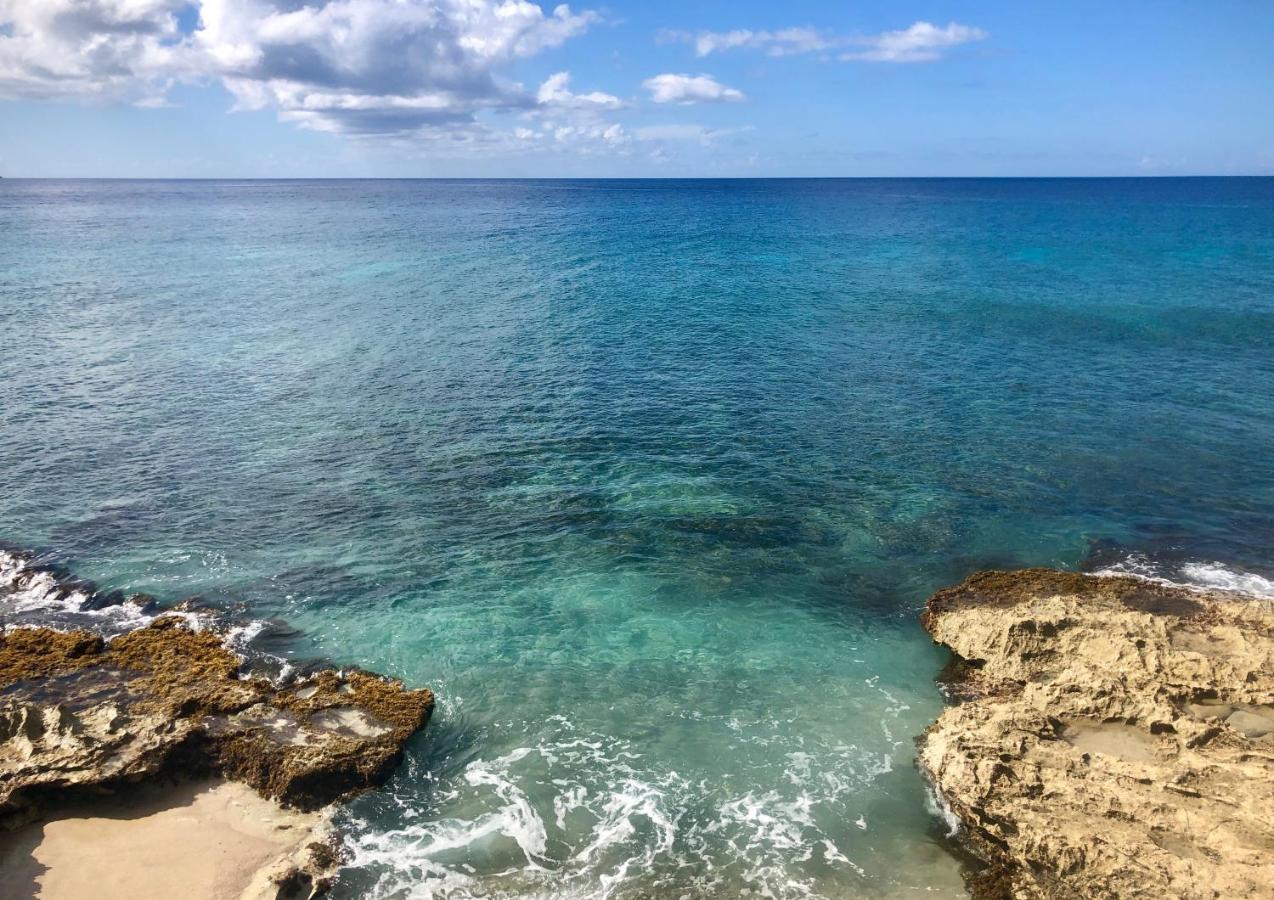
{"x": 647, "y": 480}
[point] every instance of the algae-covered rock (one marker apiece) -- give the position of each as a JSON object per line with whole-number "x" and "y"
{"x": 1115, "y": 737}
{"x": 80, "y": 715}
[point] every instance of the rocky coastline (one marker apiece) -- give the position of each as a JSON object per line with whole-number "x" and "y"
{"x": 90, "y": 719}
{"x": 1111, "y": 737}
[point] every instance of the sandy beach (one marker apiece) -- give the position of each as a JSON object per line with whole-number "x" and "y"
{"x": 212, "y": 840}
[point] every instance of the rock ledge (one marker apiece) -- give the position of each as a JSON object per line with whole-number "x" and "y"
{"x": 82, "y": 718}
{"x": 1113, "y": 738}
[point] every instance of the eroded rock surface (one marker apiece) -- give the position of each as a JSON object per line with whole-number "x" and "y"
{"x": 80, "y": 715}
{"x": 1114, "y": 737}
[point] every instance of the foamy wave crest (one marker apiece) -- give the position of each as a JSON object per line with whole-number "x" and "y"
{"x": 512, "y": 832}
{"x": 35, "y": 592}
{"x": 1198, "y": 575}
{"x": 938, "y": 807}
{"x": 1216, "y": 576}
{"x": 585, "y": 815}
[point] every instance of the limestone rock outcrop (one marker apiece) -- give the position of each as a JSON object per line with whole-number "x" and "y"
{"x": 1112, "y": 737}
{"x": 81, "y": 715}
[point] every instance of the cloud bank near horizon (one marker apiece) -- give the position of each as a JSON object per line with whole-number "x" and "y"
{"x": 357, "y": 67}
{"x": 425, "y": 74}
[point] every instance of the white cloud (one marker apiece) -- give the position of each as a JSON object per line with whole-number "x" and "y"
{"x": 584, "y": 137}
{"x": 562, "y": 119}
{"x": 377, "y": 66}
{"x": 363, "y": 67}
{"x": 115, "y": 49}
{"x": 554, "y": 92}
{"x": 687, "y": 89}
{"x": 784, "y": 42}
{"x": 921, "y": 42}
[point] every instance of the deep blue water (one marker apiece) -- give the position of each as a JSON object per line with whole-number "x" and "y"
{"x": 646, "y": 479}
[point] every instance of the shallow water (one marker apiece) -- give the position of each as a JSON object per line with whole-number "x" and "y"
{"x": 647, "y": 480}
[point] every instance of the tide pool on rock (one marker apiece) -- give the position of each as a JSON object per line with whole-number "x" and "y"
{"x": 647, "y": 480}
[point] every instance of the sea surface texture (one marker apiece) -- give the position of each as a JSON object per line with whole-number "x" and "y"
{"x": 648, "y": 480}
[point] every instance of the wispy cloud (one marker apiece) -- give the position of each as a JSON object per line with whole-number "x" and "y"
{"x": 689, "y": 89}
{"x": 583, "y": 137}
{"x": 1160, "y": 163}
{"x": 698, "y": 134}
{"x": 921, "y": 42}
{"x": 784, "y": 42}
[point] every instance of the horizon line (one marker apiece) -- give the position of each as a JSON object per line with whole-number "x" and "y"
{"x": 1144, "y": 176}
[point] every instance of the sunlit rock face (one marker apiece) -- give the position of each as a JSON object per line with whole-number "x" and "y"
{"x": 80, "y": 714}
{"x": 1114, "y": 737}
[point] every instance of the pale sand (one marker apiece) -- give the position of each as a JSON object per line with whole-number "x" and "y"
{"x": 202, "y": 841}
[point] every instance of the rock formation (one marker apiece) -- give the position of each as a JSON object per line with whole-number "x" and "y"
{"x": 1113, "y": 737}
{"x": 82, "y": 716}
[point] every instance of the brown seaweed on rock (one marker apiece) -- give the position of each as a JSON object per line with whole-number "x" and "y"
{"x": 80, "y": 715}
{"x": 1114, "y": 736}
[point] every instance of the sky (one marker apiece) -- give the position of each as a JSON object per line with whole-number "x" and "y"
{"x": 511, "y": 88}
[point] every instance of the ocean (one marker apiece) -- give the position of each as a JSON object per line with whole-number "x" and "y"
{"x": 648, "y": 480}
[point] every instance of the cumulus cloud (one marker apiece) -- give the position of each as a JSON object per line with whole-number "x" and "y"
{"x": 562, "y": 119}
{"x": 554, "y": 92}
{"x": 687, "y": 89}
{"x": 377, "y": 66}
{"x": 115, "y": 49}
{"x": 921, "y": 42}
{"x": 363, "y": 67}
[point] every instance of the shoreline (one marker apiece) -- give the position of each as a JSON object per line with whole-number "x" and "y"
{"x": 1095, "y": 718}
{"x": 156, "y": 761}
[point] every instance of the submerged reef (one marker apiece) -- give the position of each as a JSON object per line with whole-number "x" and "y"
{"x": 85, "y": 716}
{"x": 1112, "y": 737}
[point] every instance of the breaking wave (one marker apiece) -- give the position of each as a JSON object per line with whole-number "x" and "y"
{"x": 1200, "y": 575}
{"x": 36, "y": 592}
{"x": 590, "y": 815}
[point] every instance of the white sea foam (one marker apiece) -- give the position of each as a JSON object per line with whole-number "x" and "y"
{"x": 28, "y": 590}
{"x": 240, "y": 637}
{"x": 940, "y": 808}
{"x": 516, "y": 818}
{"x": 576, "y": 813}
{"x": 1197, "y": 575}
{"x": 583, "y": 814}
{"x": 35, "y": 595}
{"x": 1215, "y": 575}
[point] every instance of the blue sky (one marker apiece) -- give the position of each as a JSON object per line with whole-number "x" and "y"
{"x": 277, "y": 88}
